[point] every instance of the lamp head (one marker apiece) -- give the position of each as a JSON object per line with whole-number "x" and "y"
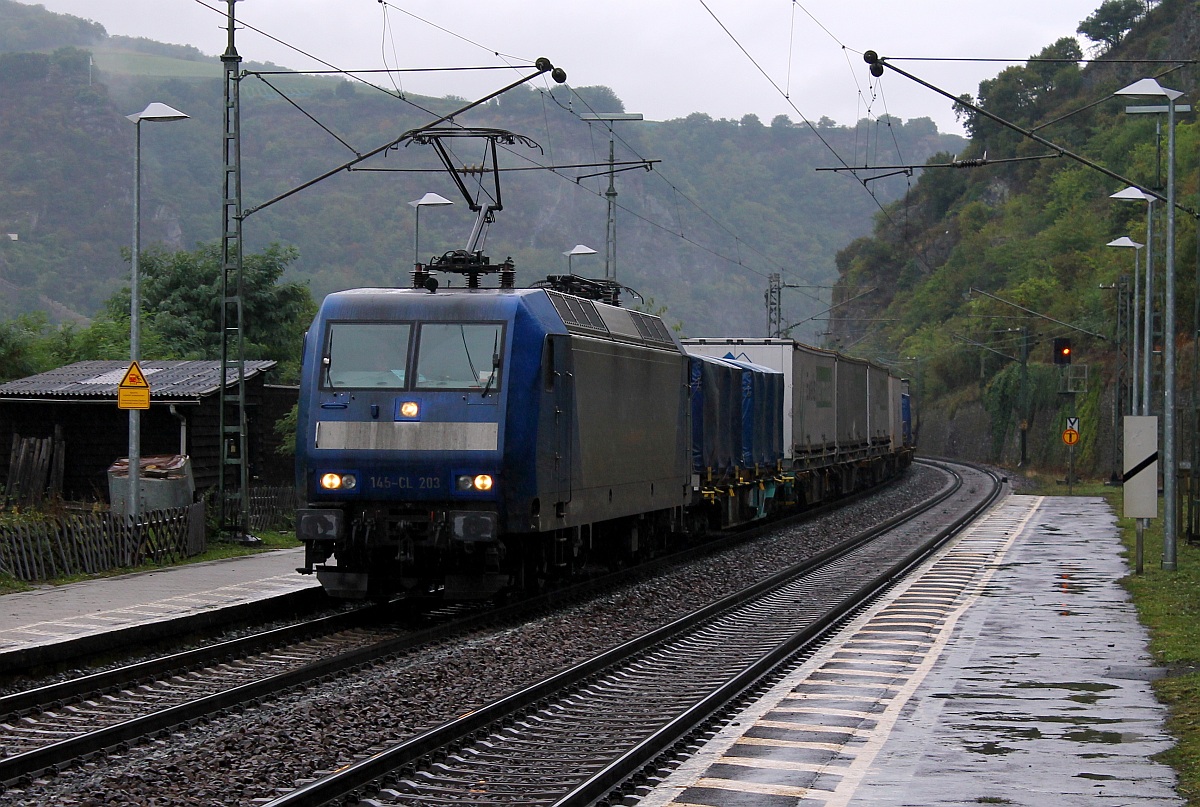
{"x": 430, "y": 199}
{"x": 1148, "y": 87}
{"x": 1131, "y": 193}
{"x": 157, "y": 112}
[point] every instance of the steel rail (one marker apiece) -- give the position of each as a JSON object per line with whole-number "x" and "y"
{"x": 363, "y": 773}
{"x": 75, "y": 688}
{"x": 620, "y": 770}
{"x": 23, "y": 766}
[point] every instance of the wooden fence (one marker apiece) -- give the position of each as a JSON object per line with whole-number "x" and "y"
{"x": 96, "y": 542}
{"x": 272, "y": 508}
{"x": 88, "y": 543}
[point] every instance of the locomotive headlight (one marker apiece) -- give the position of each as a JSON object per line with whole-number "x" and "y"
{"x": 409, "y": 409}
{"x": 339, "y": 481}
{"x": 466, "y": 483}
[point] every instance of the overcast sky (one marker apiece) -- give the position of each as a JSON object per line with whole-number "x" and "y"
{"x": 663, "y": 58}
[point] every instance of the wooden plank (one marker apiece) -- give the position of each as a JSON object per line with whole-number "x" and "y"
{"x": 64, "y": 558}
{"x": 26, "y": 570}
{"x": 39, "y": 470}
{"x": 16, "y": 472}
{"x": 10, "y": 486}
{"x": 58, "y": 465}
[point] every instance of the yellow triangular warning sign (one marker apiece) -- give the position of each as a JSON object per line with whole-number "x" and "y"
{"x": 134, "y": 379}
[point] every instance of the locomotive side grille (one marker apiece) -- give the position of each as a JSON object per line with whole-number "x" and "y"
{"x": 651, "y": 328}
{"x": 577, "y": 312}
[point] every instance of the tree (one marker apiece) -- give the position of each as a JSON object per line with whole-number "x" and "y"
{"x": 19, "y": 346}
{"x": 181, "y": 298}
{"x": 751, "y": 122}
{"x": 1059, "y": 72}
{"x": 1108, "y": 24}
{"x": 599, "y": 99}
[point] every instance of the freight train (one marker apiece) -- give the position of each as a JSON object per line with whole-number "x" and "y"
{"x": 464, "y": 442}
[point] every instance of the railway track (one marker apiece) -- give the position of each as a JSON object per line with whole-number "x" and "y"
{"x": 47, "y": 729}
{"x": 587, "y": 734}
{"x": 44, "y": 728}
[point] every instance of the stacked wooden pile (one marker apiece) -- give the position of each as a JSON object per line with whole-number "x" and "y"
{"x": 35, "y": 468}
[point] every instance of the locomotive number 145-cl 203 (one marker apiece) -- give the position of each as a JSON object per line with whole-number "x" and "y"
{"x": 462, "y": 442}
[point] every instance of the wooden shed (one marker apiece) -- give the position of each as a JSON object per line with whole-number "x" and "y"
{"x": 77, "y": 404}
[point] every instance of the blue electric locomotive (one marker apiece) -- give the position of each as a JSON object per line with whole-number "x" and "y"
{"x": 460, "y": 441}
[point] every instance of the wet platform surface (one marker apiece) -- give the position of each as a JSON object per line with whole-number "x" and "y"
{"x": 1011, "y": 670}
{"x": 53, "y": 622}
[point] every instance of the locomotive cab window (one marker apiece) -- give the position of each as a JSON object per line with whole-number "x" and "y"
{"x": 459, "y": 355}
{"x": 366, "y": 354}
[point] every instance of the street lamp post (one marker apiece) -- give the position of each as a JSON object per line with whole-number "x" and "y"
{"x": 430, "y": 199}
{"x": 578, "y": 249}
{"x": 1126, "y": 241}
{"x": 1132, "y": 193}
{"x": 1150, "y": 87}
{"x": 153, "y": 112}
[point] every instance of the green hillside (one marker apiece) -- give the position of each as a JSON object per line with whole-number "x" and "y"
{"x": 122, "y": 62}
{"x": 728, "y": 202}
{"x": 1031, "y": 227}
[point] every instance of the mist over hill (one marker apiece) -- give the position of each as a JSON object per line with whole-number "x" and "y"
{"x": 726, "y": 204}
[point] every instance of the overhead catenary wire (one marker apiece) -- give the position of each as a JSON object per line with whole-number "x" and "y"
{"x": 387, "y": 35}
{"x": 351, "y": 74}
{"x": 864, "y": 183}
{"x": 357, "y": 75}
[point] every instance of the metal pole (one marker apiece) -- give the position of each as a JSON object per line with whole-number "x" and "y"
{"x": 1147, "y": 349}
{"x": 1024, "y": 395}
{"x": 417, "y": 239}
{"x": 135, "y": 323}
{"x": 1133, "y": 336}
{"x": 1118, "y": 383}
{"x": 234, "y": 450}
{"x": 610, "y": 253}
{"x": 1071, "y": 471}
{"x": 1138, "y": 546}
{"x": 1170, "y": 465}
{"x": 1148, "y": 334}
{"x": 1193, "y": 492}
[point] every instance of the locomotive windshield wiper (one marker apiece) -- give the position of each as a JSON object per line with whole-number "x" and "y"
{"x": 495, "y": 365}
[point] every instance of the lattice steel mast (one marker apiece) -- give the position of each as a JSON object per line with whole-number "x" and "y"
{"x": 610, "y": 234}
{"x": 233, "y": 491}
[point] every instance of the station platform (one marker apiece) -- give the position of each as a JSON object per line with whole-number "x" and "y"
{"x": 1011, "y": 669}
{"x": 53, "y": 624}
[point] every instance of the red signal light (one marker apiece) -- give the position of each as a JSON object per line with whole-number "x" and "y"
{"x": 1062, "y": 350}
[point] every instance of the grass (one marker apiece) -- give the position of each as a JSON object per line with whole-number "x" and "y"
{"x": 1168, "y": 604}
{"x": 217, "y": 550}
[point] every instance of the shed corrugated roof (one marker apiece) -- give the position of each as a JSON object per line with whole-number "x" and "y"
{"x": 168, "y": 380}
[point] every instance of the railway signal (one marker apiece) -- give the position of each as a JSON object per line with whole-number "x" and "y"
{"x": 1062, "y": 350}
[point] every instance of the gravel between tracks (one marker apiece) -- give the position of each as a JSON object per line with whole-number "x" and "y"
{"x": 248, "y": 755}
